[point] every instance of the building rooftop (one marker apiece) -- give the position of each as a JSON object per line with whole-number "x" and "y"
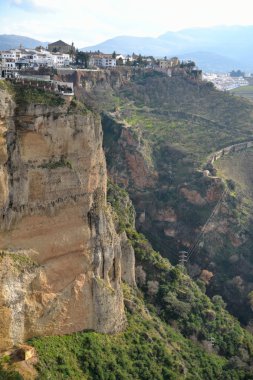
{"x": 59, "y": 43}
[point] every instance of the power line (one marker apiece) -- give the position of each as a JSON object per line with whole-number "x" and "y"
{"x": 183, "y": 255}
{"x": 203, "y": 230}
{"x": 195, "y": 246}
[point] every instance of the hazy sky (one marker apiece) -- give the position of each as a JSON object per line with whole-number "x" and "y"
{"x": 88, "y": 22}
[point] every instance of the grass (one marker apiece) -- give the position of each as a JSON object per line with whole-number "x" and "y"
{"x": 6, "y": 86}
{"x": 77, "y": 107}
{"x": 124, "y": 213}
{"x": 239, "y": 168}
{"x": 20, "y": 260}
{"x": 25, "y": 95}
{"x": 62, "y": 163}
{"x": 243, "y": 88}
{"x": 244, "y": 92}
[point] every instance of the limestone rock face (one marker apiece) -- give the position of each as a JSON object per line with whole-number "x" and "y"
{"x": 53, "y": 208}
{"x": 16, "y": 275}
{"x": 127, "y": 261}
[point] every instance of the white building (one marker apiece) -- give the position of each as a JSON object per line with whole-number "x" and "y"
{"x": 122, "y": 58}
{"x": 102, "y": 60}
{"x": 60, "y": 60}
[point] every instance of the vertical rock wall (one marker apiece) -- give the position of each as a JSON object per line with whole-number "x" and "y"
{"x": 53, "y": 211}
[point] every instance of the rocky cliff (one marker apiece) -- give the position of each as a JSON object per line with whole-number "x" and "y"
{"x": 60, "y": 262}
{"x": 159, "y": 135}
{"x": 158, "y": 142}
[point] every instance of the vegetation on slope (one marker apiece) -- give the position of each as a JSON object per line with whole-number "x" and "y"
{"x": 25, "y": 95}
{"x": 244, "y": 92}
{"x": 174, "y": 330}
{"x": 238, "y": 259}
{"x": 183, "y": 121}
{"x": 181, "y": 302}
{"x": 9, "y": 374}
{"x": 192, "y": 115}
{"x": 148, "y": 349}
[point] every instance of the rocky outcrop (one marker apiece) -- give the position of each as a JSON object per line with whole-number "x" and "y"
{"x": 128, "y": 260}
{"x": 53, "y": 211}
{"x": 90, "y": 80}
{"x": 192, "y": 196}
{"x": 95, "y": 87}
{"x": 133, "y": 167}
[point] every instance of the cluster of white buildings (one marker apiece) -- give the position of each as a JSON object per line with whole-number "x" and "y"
{"x": 225, "y": 82}
{"x": 16, "y": 59}
{"x": 112, "y": 60}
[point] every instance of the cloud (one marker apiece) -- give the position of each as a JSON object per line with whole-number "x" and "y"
{"x": 35, "y": 5}
{"x": 86, "y": 22}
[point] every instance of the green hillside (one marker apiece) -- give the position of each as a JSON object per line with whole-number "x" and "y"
{"x": 244, "y": 92}
{"x": 169, "y": 127}
{"x": 239, "y": 168}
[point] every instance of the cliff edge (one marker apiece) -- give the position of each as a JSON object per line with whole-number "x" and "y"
{"x": 60, "y": 260}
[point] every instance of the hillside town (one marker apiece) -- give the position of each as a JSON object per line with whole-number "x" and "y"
{"x": 23, "y": 63}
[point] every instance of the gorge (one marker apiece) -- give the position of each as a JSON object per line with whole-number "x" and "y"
{"x": 71, "y": 259}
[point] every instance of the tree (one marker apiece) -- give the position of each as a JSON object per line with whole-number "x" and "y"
{"x": 188, "y": 64}
{"x": 139, "y": 59}
{"x": 114, "y": 54}
{"x": 119, "y": 62}
{"x": 82, "y": 58}
{"x": 72, "y": 50}
{"x": 237, "y": 73}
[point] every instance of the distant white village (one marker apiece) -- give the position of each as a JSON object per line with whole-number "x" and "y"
{"x": 225, "y": 82}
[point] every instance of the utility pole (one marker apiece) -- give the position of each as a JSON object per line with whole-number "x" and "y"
{"x": 182, "y": 258}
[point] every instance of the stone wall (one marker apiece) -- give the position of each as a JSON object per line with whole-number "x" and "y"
{"x": 230, "y": 149}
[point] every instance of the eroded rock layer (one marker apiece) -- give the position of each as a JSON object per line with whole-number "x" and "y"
{"x": 53, "y": 212}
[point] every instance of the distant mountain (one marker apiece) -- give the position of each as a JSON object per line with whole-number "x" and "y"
{"x": 12, "y": 41}
{"x": 211, "y": 62}
{"x": 129, "y": 45}
{"x": 220, "y": 48}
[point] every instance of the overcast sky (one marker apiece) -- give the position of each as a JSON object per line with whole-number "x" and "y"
{"x": 87, "y": 22}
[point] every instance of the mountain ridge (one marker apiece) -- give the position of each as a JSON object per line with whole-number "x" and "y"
{"x": 12, "y": 41}
{"x": 217, "y": 49}
{"x": 230, "y": 42}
